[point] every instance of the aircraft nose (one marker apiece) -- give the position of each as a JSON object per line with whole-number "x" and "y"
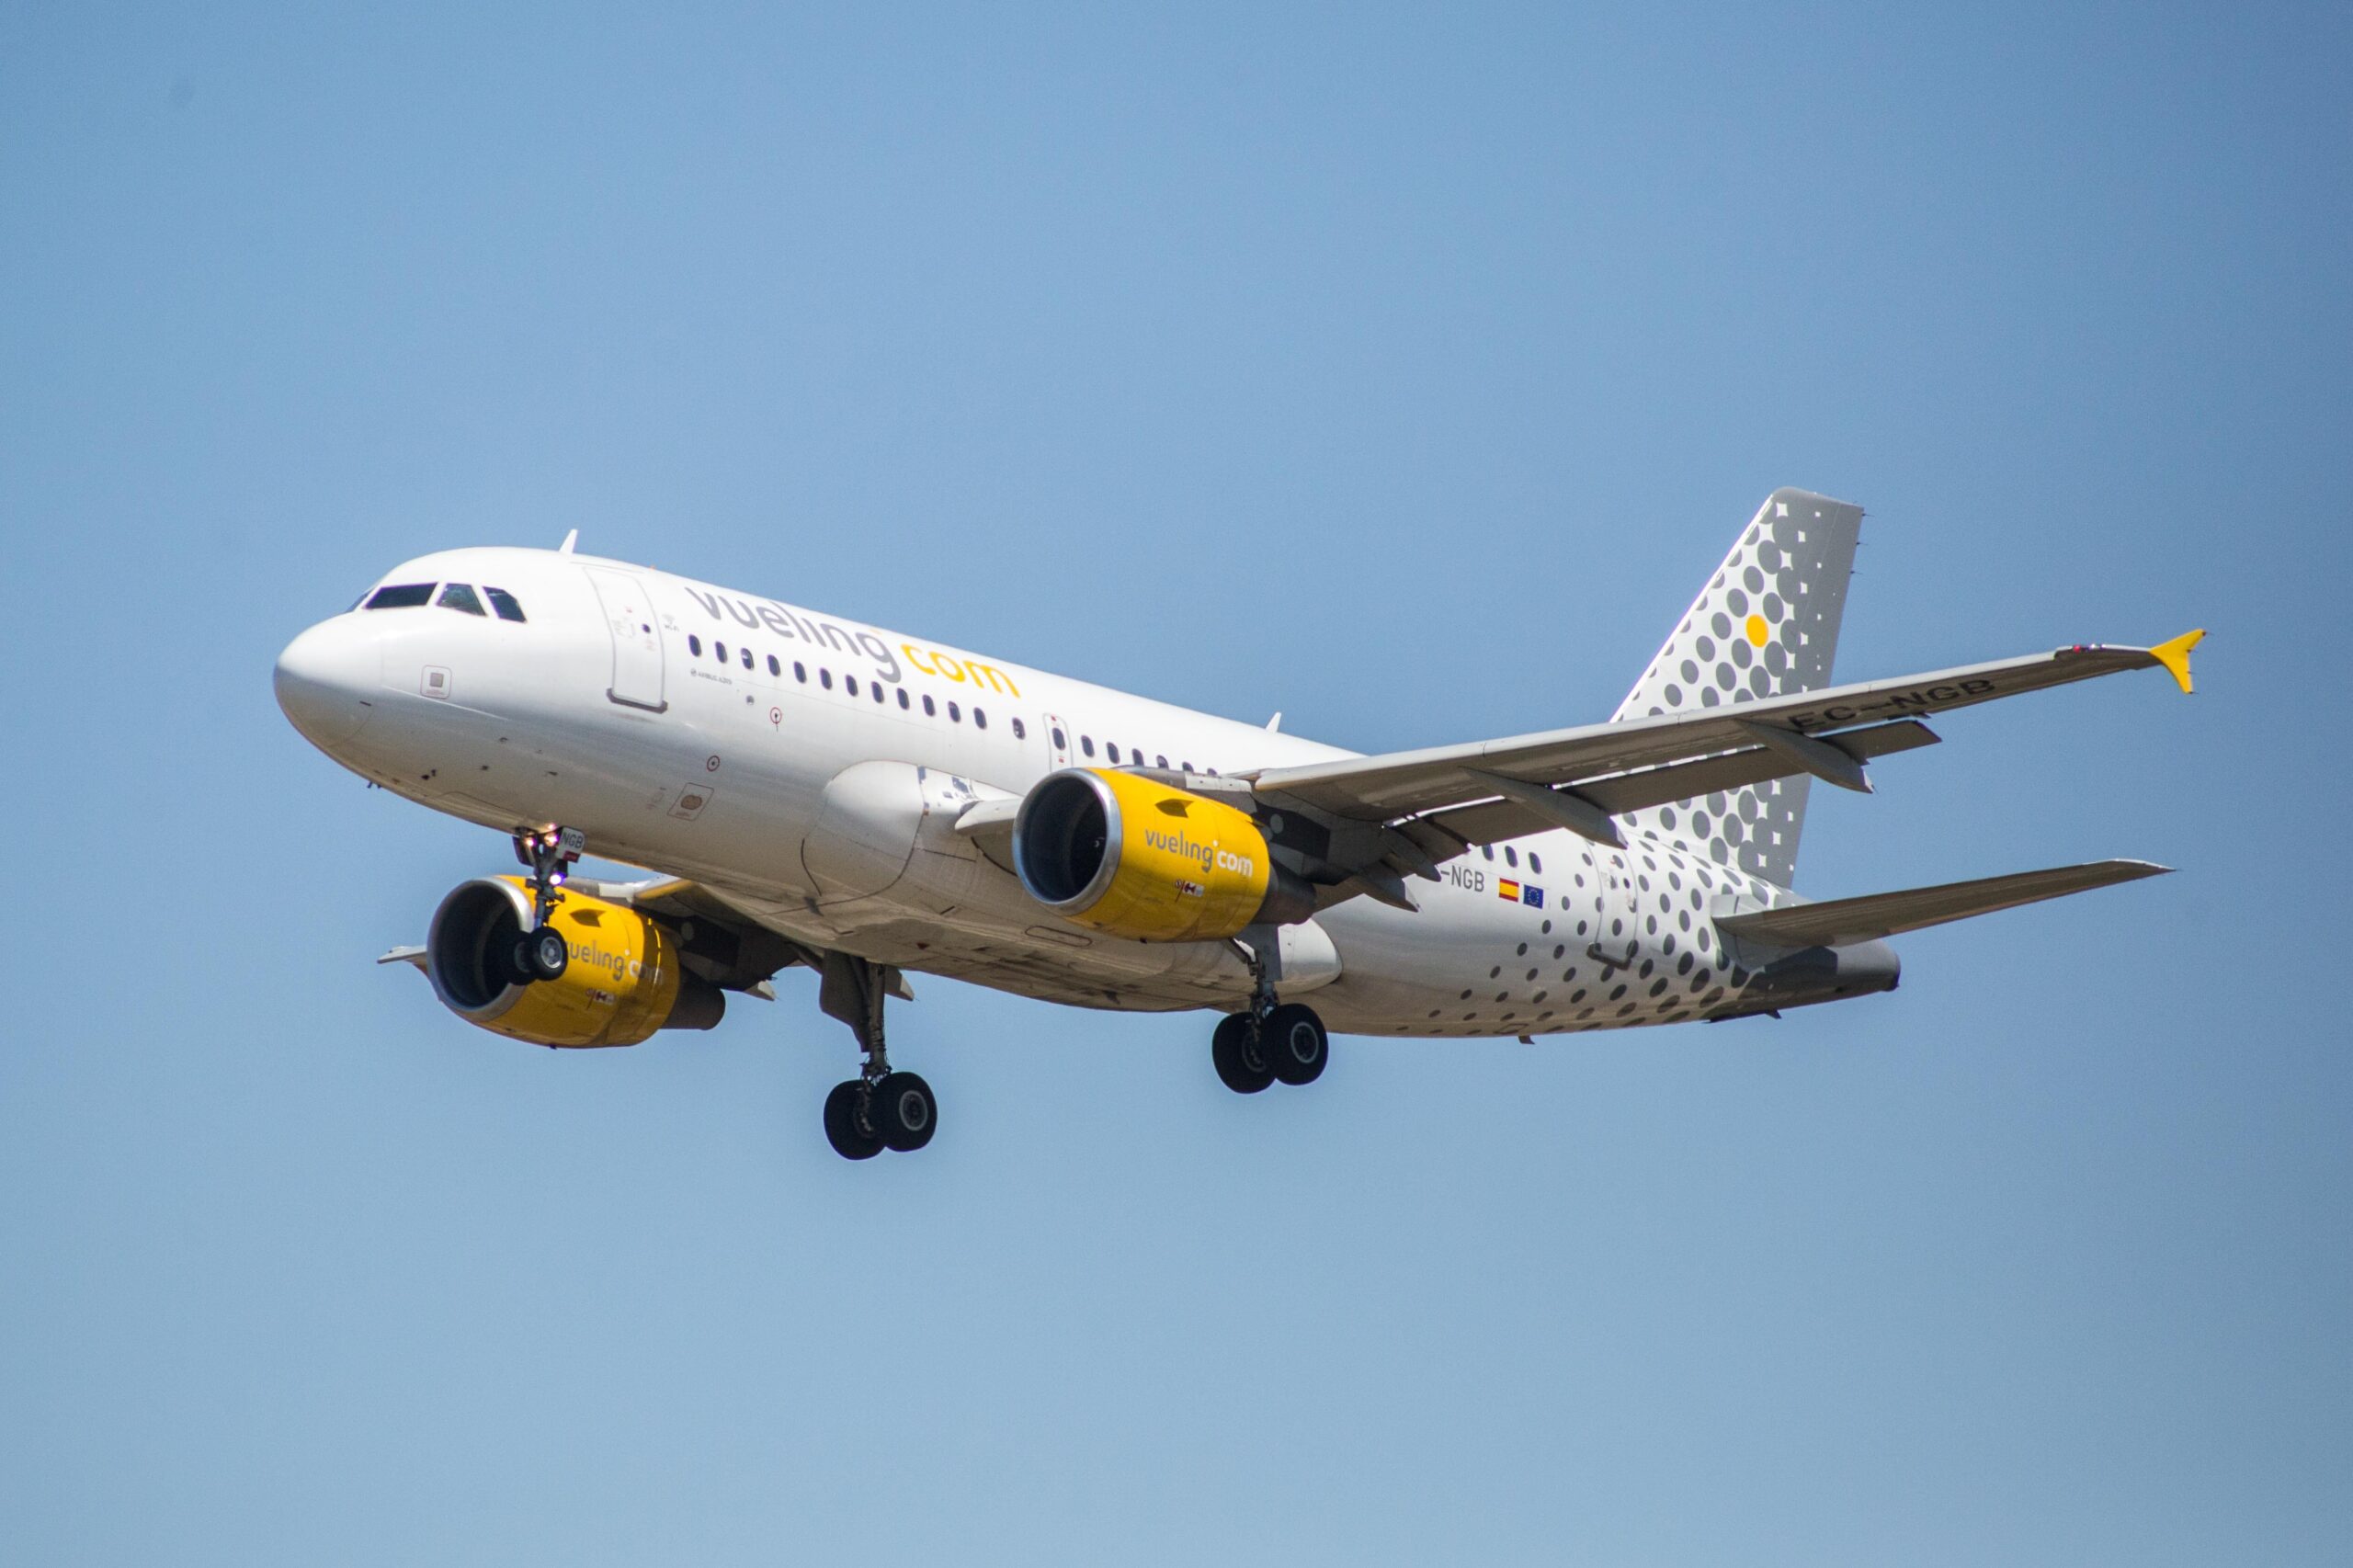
{"x": 327, "y": 681}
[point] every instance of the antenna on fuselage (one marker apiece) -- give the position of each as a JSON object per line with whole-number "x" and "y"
{"x": 569, "y": 541}
{"x": 1277, "y": 721}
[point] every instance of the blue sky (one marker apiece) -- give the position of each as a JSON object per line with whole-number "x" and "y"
{"x": 1402, "y": 370}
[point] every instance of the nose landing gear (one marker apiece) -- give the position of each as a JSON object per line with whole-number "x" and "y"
{"x": 541, "y": 953}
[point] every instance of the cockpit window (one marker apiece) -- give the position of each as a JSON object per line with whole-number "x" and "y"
{"x": 505, "y": 603}
{"x": 403, "y": 595}
{"x": 459, "y": 596}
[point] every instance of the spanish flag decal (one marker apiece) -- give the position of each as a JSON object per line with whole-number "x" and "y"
{"x": 1510, "y": 890}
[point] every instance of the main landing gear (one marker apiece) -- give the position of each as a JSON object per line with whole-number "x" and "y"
{"x": 880, "y": 1109}
{"x": 1273, "y": 1041}
{"x": 541, "y": 952}
{"x": 1289, "y": 1045}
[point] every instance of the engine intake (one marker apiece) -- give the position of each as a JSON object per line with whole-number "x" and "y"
{"x": 624, "y": 982}
{"x": 1137, "y": 859}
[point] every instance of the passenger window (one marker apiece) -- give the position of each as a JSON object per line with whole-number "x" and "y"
{"x": 801, "y": 672}
{"x": 406, "y": 596}
{"x": 1111, "y": 750}
{"x": 825, "y": 678}
{"x": 1161, "y": 762}
{"x": 694, "y": 646}
{"x": 980, "y": 719}
{"x": 1086, "y": 744}
{"x": 1488, "y": 850}
{"x": 1536, "y": 862}
{"x": 953, "y": 716}
{"x": 1511, "y": 855}
{"x": 720, "y": 649}
{"x": 505, "y": 603}
{"x": 747, "y": 658}
{"x": 930, "y": 708}
{"x": 849, "y": 684}
{"x": 879, "y": 697}
{"x": 1061, "y": 742}
{"x": 460, "y": 597}
{"x": 903, "y": 699}
{"x": 1185, "y": 766}
{"x": 775, "y": 669}
{"x": 1020, "y": 731}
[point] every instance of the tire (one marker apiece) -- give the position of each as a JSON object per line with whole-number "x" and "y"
{"x": 904, "y": 1113}
{"x": 518, "y": 963}
{"x": 546, "y": 955}
{"x": 850, "y": 1140}
{"x": 1234, "y": 1051}
{"x": 1295, "y": 1043}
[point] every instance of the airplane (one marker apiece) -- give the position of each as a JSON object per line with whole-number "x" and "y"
{"x": 808, "y": 789}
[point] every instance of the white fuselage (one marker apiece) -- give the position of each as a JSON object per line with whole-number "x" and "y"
{"x": 808, "y": 769}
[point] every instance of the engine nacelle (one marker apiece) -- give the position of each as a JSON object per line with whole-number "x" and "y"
{"x": 1137, "y": 859}
{"x": 624, "y": 982}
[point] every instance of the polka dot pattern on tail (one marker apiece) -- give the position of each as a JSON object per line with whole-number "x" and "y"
{"x": 1766, "y": 626}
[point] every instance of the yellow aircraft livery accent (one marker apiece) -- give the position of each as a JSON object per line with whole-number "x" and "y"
{"x": 1137, "y": 859}
{"x": 1190, "y": 868}
{"x": 620, "y": 986}
{"x": 948, "y": 666}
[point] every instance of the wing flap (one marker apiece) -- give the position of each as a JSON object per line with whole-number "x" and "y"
{"x": 1381, "y": 788}
{"x": 1843, "y": 922}
{"x": 1492, "y": 822}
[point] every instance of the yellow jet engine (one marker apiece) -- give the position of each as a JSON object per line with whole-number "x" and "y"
{"x": 623, "y": 980}
{"x": 1135, "y": 858}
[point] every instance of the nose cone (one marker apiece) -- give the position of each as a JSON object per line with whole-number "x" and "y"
{"x": 327, "y": 681}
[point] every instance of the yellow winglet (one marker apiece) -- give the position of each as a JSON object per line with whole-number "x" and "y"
{"x": 2175, "y": 656}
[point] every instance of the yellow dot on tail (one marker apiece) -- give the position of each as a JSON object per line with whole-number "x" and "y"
{"x": 1757, "y": 630}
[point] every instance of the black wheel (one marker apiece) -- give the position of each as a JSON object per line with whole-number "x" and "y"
{"x": 1233, "y": 1049}
{"x": 542, "y": 954}
{"x": 845, "y": 1129}
{"x": 904, "y": 1113}
{"x": 1295, "y": 1044}
{"x": 515, "y": 967}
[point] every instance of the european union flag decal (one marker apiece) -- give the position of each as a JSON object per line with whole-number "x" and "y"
{"x": 1533, "y": 897}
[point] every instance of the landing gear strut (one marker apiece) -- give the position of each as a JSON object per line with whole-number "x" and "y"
{"x": 541, "y": 953}
{"x": 880, "y": 1109}
{"x": 1272, "y": 1041}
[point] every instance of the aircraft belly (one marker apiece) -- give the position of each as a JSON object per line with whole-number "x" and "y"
{"x": 912, "y": 926}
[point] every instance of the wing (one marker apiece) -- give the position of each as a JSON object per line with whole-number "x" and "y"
{"x": 1576, "y": 777}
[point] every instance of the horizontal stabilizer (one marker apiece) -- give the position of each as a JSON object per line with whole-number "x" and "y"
{"x": 1842, "y": 922}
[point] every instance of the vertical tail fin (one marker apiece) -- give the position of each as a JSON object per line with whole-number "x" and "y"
{"x": 1767, "y": 624}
